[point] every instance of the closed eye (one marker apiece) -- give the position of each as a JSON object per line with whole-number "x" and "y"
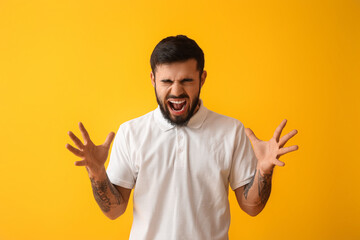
{"x": 166, "y": 81}
{"x": 187, "y": 80}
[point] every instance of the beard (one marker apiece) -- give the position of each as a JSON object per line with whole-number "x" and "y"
{"x": 178, "y": 120}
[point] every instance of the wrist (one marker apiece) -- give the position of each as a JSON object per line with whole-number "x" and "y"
{"x": 96, "y": 173}
{"x": 266, "y": 172}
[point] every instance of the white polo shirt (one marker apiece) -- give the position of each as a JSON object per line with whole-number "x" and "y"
{"x": 181, "y": 175}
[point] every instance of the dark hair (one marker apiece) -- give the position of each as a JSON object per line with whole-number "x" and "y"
{"x": 177, "y": 49}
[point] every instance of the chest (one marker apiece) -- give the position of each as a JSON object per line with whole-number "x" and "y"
{"x": 183, "y": 155}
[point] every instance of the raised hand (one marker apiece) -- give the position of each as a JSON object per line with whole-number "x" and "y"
{"x": 268, "y": 153}
{"x": 93, "y": 156}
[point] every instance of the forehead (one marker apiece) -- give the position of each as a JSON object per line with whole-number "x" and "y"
{"x": 184, "y": 69}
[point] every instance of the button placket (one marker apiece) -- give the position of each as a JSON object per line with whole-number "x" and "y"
{"x": 180, "y": 147}
{"x": 181, "y": 141}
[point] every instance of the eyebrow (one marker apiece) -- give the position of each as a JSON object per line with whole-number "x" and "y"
{"x": 183, "y": 80}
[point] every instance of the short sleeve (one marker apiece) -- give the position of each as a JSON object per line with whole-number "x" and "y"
{"x": 244, "y": 161}
{"x": 121, "y": 170}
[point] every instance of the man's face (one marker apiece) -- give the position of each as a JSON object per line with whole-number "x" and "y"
{"x": 177, "y": 88}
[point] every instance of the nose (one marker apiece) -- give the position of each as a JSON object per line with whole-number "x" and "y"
{"x": 177, "y": 89}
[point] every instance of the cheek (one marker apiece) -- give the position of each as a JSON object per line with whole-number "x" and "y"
{"x": 161, "y": 92}
{"x": 193, "y": 92}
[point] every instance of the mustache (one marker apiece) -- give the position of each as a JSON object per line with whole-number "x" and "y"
{"x": 180, "y": 96}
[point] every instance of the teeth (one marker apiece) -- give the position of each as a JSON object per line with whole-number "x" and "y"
{"x": 177, "y": 102}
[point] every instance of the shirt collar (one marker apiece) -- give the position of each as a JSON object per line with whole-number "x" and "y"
{"x": 195, "y": 121}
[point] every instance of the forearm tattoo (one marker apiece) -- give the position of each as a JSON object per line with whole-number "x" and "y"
{"x": 103, "y": 196}
{"x": 264, "y": 186}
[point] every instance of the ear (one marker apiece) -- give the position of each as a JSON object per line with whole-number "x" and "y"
{"x": 152, "y": 77}
{"x": 203, "y": 77}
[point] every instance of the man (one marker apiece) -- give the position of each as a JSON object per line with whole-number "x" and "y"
{"x": 181, "y": 157}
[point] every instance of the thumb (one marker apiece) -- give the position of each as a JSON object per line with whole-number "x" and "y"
{"x": 251, "y": 135}
{"x": 109, "y": 139}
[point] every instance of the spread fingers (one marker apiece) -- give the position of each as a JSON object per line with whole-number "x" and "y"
{"x": 76, "y": 140}
{"x": 286, "y": 138}
{"x": 75, "y": 151}
{"x": 285, "y": 150}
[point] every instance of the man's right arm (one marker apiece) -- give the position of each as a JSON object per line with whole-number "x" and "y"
{"x": 111, "y": 199}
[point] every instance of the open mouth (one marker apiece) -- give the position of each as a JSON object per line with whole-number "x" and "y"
{"x": 177, "y": 106}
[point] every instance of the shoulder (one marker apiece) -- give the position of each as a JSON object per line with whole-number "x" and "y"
{"x": 137, "y": 124}
{"x": 223, "y": 121}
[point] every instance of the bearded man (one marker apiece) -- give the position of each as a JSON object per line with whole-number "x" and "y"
{"x": 181, "y": 158}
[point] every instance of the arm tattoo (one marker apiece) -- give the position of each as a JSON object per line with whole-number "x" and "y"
{"x": 264, "y": 186}
{"x": 248, "y": 186}
{"x": 102, "y": 195}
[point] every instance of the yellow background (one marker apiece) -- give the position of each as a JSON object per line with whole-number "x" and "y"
{"x": 62, "y": 62}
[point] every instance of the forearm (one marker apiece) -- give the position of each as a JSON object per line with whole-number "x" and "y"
{"x": 256, "y": 193}
{"x": 107, "y": 196}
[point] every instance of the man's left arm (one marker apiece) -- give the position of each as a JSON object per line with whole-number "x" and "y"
{"x": 253, "y": 196}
